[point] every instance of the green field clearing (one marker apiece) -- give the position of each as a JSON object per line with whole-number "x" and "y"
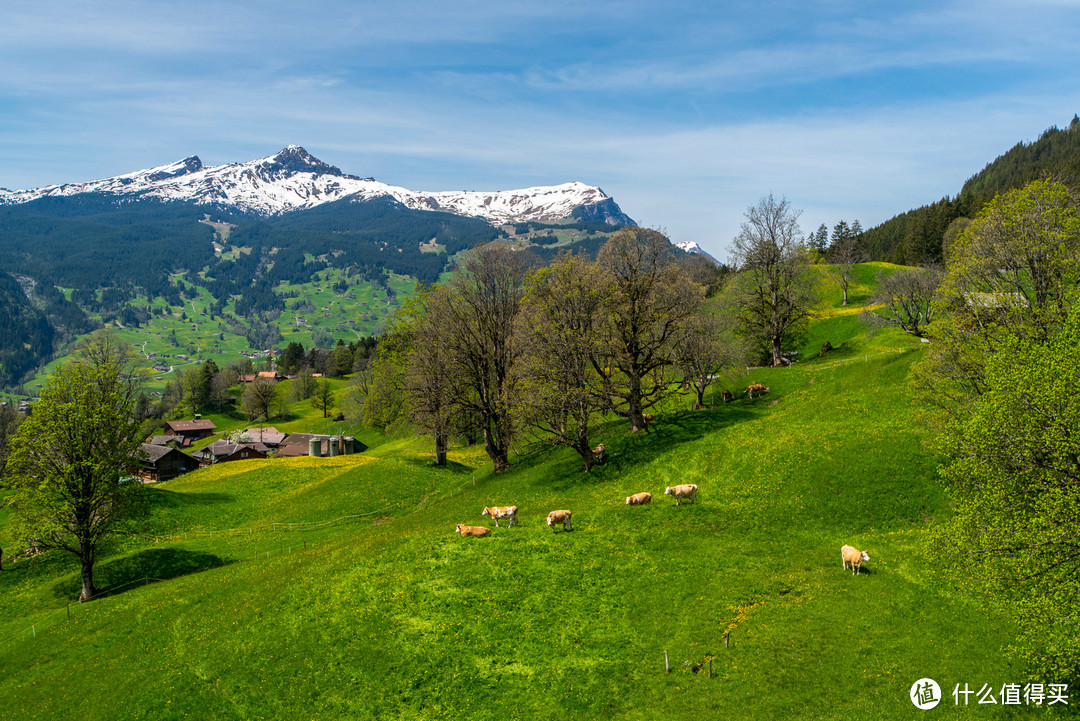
{"x": 387, "y": 613}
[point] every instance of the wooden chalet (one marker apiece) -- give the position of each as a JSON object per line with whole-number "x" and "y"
{"x": 162, "y": 463}
{"x": 224, "y": 451}
{"x": 193, "y": 430}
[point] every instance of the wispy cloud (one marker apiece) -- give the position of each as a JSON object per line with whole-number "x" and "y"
{"x": 686, "y": 113}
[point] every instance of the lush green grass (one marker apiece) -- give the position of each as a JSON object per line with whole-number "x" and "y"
{"x": 389, "y": 614}
{"x": 404, "y": 619}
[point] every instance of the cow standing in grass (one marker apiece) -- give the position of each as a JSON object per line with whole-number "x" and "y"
{"x": 853, "y": 556}
{"x": 682, "y": 492}
{"x": 759, "y": 388}
{"x": 503, "y": 512}
{"x": 556, "y": 518}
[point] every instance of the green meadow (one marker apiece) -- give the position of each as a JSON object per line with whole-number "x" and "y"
{"x": 336, "y": 588}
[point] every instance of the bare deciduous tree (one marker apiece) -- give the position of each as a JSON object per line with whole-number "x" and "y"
{"x": 845, "y": 252}
{"x": 774, "y": 285}
{"x": 260, "y": 397}
{"x": 647, "y": 312}
{"x": 907, "y": 297}
{"x": 558, "y": 333}
{"x": 705, "y": 350}
{"x": 477, "y": 314}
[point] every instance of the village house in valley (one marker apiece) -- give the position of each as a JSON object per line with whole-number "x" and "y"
{"x": 192, "y": 430}
{"x": 162, "y": 463}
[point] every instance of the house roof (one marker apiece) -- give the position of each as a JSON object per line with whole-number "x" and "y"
{"x": 199, "y": 425}
{"x": 219, "y": 449}
{"x": 154, "y": 454}
{"x": 268, "y": 435}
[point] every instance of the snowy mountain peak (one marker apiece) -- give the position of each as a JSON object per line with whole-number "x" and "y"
{"x": 294, "y": 159}
{"x": 693, "y": 248}
{"x": 294, "y": 179}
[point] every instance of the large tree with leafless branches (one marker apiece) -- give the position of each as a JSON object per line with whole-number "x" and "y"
{"x": 774, "y": 285}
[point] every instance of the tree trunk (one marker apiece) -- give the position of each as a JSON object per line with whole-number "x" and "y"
{"x": 496, "y": 451}
{"x": 86, "y": 560}
{"x": 440, "y": 448}
{"x": 585, "y": 451}
{"x": 634, "y": 411}
{"x": 700, "y": 388}
{"x": 777, "y": 356}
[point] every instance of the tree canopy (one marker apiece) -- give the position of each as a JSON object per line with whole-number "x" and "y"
{"x": 73, "y": 458}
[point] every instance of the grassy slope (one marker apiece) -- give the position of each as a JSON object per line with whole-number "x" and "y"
{"x": 403, "y": 619}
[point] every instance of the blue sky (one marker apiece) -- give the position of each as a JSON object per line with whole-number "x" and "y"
{"x": 685, "y": 112}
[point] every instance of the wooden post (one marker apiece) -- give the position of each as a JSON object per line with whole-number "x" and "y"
{"x": 305, "y": 545}
{"x": 710, "y": 668}
{"x": 726, "y": 634}
{"x": 667, "y": 665}
{"x": 69, "y": 609}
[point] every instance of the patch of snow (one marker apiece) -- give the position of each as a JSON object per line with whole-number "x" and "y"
{"x": 292, "y": 179}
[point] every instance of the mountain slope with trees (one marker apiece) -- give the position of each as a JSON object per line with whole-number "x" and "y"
{"x": 920, "y": 236}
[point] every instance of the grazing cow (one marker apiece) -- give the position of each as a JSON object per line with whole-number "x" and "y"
{"x": 503, "y": 512}
{"x": 686, "y": 490}
{"x": 853, "y": 556}
{"x": 727, "y": 395}
{"x": 475, "y": 531}
{"x": 759, "y": 387}
{"x": 556, "y": 517}
{"x": 598, "y": 453}
{"x": 647, "y": 417}
{"x": 639, "y": 499}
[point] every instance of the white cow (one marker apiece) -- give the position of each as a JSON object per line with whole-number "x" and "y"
{"x": 686, "y": 490}
{"x": 853, "y": 556}
{"x": 503, "y": 512}
{"x": 556, "y": 517}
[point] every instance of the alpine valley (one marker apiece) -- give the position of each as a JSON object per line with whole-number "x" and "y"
{"x": 218, "y": 259}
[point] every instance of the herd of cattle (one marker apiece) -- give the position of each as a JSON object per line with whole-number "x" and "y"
{"x": 686, "y": 491}
{"x": 563, "y": 517}
{"x": 680, "y": 493}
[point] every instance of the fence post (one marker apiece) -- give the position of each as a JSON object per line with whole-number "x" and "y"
{"x": 710, "y": 668}
{"x": 69, "y": 609}
{"x": 726, "y": 635}
{"x": 667, "y": 665}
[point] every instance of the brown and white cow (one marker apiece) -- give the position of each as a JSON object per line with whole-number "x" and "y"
{"x": 686, "y": 490}
{"x": 503, "y": 512}
{"x": 598, "y": 453}
{"x": 475, "y": 531}
{"x": 758, "y": 387}
{"x": 727, "y": 395}
{"x": 853, "y": 556}
{"x": 639, "y": 499}
{"x": 556, "y": 517}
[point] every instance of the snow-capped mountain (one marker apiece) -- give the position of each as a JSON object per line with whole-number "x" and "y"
{"x": 691, "y": 247}
{"x": 293, "y": 179}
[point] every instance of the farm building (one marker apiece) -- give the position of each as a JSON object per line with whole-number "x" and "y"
{"x": 303, "y": 444}
{"x": 193, "y": 430}
{"x": 163, "y": 463}
{"x": 223, "y": 451}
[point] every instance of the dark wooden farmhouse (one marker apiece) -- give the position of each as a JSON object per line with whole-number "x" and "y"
{"x": 194, "y": 430}
{"x": 163, "y": 463}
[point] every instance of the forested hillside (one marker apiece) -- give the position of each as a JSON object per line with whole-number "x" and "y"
{"x": 916, "y": 237}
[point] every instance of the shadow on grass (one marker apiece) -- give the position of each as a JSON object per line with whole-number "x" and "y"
{"x": 427, "y": 462}
{"x": 122, "y": 574}
{"x": 627, "y": 450}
